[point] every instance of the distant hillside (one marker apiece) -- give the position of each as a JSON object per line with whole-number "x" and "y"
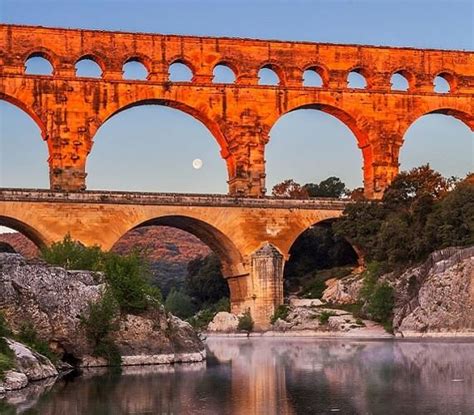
{"x": 20, "y": 244}
{"x": 168, "y": 249}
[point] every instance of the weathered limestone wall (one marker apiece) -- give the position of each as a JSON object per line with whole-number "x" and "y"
{"x": 69, "y": 109}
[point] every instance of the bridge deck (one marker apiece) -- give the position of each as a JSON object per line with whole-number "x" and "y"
{"x": 170, "y": 199}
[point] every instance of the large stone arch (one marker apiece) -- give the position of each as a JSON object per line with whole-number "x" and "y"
{"x": 210, "y": 124}
{"x": 356, "y": 124}
{"x": 461, "y": 114}
{"x": 220, "y": 243}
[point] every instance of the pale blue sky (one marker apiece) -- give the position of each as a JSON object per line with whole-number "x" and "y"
{"x": 151, "y": 148}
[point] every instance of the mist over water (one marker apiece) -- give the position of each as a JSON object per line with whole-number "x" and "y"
{"x": 275, "y": 376}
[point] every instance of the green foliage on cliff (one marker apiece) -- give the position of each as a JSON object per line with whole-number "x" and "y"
{"x": 70, "y": 254}
{"x": 127, "y": 276}
{"x": 420, "y": 212}
{"x": 100, "y": 323}
{"x": 203, "y": 317}
{"x": 180, "y": 304}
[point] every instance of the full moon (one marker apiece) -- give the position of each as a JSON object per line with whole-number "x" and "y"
{"x": 197, "y": 164}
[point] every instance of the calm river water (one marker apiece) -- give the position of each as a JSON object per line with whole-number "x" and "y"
{"x": 274, "y": 376}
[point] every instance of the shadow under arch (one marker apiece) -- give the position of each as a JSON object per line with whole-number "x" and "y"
{"x": 25, "y": 229}
{"x": 221, "y": 244}
{"x": 211, "y": 125}
{"x": 318, "y": 248}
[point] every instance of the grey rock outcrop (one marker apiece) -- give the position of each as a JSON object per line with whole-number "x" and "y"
{"x": 437, "y": 296}
{"x": 53, "y": 300}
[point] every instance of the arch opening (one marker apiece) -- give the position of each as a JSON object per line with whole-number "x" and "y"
{"x": 312, "y": 78}
{"x": 442, "y": 139}
{"x": 267, "y": 75}
{"x": 21, "y": 237}
{"x": 135, "y": 70}
{"x": 399, "y": 82}
{"x": 87, "y": 67}
{"x": 188, "y": 260}
{"x": 223, "y": 74}
{"x": 442, "y": 83}
{"x": 313, "y": 143}
{"x": 23, "y": 152}
{"x": 163, "y": 146}
{"x": 38, "y": 64}
{"x": 355, "y": 80}
{"x": 180, "y": 72}
{"x": 317, "y": 255}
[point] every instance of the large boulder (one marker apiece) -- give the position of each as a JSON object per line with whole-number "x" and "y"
{"x": 344, "y": 290}
{"x": 53, "y": 300}
{"x": 223, "y": 322}
{"x": 437, "y": 296}
{"x": 28, "y": 366}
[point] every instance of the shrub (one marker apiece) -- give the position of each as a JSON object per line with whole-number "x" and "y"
{"x": 71, "y": 254}
{"x": 28, "y": 335}
{"x": 280, "y": 313}
{"x": 315, "y": 289}
{"x": 381, "y": 302}
{"x": 324, "y": 316}
{"x": 245, "y": 322}
{"x": 6, "y": 363}
{"x": 4, "y": 329}
{"x": 179, "y": 304}
{"x": 128, "y": 277}
{"x": 99, "y": 324}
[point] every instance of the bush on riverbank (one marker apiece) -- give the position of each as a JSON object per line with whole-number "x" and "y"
{"x": 6, "y": 354}
{"x": 245, "y": 322}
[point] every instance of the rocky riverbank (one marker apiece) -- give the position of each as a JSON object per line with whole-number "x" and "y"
{"x": 433, "y": 299}
{"x": 54, "y": 301}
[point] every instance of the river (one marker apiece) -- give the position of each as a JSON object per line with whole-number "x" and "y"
{"x": 274, "y": 376}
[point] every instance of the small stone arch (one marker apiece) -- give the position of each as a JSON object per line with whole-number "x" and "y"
{"x": 320, "y": 69}
{"x": 44, "y": 53}
{"x": 230, "y": 65}
{"x": 275, "y": 67}
{"x": 98, "y": 59}
{"x": 363, "y": 72}
{"x": 185, "y": 61}
{"x": 450, "y": 77}
{"x": 408, "y": 75}
{"x": 140, "y": 58}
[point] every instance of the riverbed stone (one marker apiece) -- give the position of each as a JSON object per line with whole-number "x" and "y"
{"x": 223, "y": 322}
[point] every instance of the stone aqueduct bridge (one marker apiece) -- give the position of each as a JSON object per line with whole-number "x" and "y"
{"x": 252, "y": 236}
{"x": 70, "y": 109}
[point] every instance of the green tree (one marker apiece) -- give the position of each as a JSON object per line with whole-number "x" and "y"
{"x": 205, "y": 282}
{"x": 330, "y": 187}
{"x": 289, "y": 189}
{"x": 180, "y": 304}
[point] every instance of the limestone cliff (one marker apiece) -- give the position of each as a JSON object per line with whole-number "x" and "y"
{"x": 53, "y": 300}
{"x": 437, "y": 296}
